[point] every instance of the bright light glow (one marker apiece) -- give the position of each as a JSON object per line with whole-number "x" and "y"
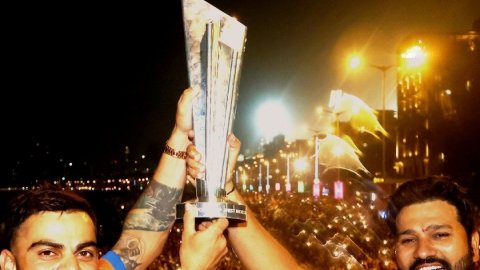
{"x": 316, "y": 188}
{"x": 414, "y": 56}
{"x": 288, "y": 187}
{"x": 338, "y": 150}
{"x": 300, "y": 187}
{"x": 277, "y": 187}
{"x": 355, "y": 61}
{"x": 320, "y": 110}
{"x": 273, "y": 119}
{"x": 338, "y": 190}
{"x": 335, "y": 98}
{"x": 301, "y": 164}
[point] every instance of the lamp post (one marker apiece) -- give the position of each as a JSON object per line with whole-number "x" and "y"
{"x": 383, "y": 69}
{"x": 354, "y": 62}
{"x": 316, "y": 180}
{"x": 267, "y": 186}
{"x": 260, "y": 176}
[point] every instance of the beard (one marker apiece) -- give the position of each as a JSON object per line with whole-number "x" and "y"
{"x": 465, "y": 263}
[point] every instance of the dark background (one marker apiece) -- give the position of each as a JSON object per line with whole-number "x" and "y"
{"x": 83, "y": 80}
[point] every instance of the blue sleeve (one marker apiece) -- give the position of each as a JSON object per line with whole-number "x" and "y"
{"x": 114, "y": 260}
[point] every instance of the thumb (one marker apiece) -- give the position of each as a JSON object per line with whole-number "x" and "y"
{"x": 189, "y": 219}
{"x": 218, "y": 226}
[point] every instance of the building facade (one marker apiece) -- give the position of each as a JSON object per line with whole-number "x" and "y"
{"x": 438, "y": 91}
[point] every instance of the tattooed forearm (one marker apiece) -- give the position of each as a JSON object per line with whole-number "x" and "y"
{"x": 158, "y": 204}
{"x": 129, "y": 249}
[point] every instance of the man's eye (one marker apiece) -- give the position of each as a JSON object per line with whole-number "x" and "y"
{"x": 47, "y": 254}
{"x": 86, "y": 254}
{"x": 407, "y": 241}
{"x": 441, "y": 235}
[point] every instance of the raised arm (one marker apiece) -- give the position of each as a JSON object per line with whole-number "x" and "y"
{"x": 253, "y": 244}
{"x": 148, "y": 223}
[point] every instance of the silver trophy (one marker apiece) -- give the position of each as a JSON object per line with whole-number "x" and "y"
{"x": 215, "y": 44}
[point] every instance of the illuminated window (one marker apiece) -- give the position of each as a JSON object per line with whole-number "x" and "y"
{"x": 447, "y": 105}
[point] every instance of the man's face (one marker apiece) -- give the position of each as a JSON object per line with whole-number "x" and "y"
{"x": 429, "y": 236}
{"x": 56, "y": 240}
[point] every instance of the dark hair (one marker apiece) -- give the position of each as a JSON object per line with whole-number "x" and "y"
{"x": 39, "y": 200}
{"x": 429, "y": 189}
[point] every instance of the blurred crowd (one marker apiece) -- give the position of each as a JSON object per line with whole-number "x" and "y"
{"x": 321, "y": 233}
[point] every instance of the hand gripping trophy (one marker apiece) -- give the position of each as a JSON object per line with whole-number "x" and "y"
{"x": 215, "y": 45}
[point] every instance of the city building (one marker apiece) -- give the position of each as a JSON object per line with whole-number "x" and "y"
{"x": 438, "y": 91}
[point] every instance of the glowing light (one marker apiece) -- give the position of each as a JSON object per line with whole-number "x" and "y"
{"x": 355, "y": 61}
{"x": 273, "y": 119}
{"x": 414, "y": 57}
{"x": 319, "y": 110}
{"x": 277, "y": 187}
{"x": 338, "y": 190}
{"x": 288, "y": 187}
{"x": 316, "y": 188}
{"x": 300, "y": 187}
{"x": 338, "y": 150}
{"x": 301, "y": 164}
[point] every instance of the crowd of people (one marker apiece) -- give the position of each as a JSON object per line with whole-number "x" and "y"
{"x": 321, "y": 233}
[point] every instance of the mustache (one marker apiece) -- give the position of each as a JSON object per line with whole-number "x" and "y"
{"x": 430, "y": 259}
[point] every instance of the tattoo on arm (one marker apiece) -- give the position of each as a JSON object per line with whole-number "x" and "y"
{"x": 129, "y": 249}
{"x": 158, "y": 201}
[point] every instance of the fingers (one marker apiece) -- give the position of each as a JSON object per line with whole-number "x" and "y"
{"x": 234, "y": 142}
{"x": 193, "y": 153}
{"x": 195, "y": 169}
{"x": 186, "y": 99}
{"x": 233, "y": 152}
{"x": 189, "y": 220}
{"x": 184, "y": 111}
{"x": 204, "y": 225}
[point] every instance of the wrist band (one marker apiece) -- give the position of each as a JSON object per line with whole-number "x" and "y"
{"x": 172, "y": 152}
{"x": 233, "y": 189}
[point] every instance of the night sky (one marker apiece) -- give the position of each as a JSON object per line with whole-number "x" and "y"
{"x": 85, "y": 80}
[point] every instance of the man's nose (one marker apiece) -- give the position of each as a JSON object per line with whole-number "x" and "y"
{"x": 70, "y": 262}
{"x": 424, "y": 249}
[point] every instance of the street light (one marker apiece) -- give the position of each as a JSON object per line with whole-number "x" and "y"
{"x": 355, "y": 62}
{"x": 383, "y": 69}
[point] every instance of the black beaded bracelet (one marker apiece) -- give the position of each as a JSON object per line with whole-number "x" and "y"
{"x": 233, "y": 189}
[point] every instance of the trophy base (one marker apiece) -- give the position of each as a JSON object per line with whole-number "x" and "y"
{"x": 212, "y": 210}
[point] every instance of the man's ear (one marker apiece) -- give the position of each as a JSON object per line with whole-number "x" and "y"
{"x": 475, "y": 246}
{"x": 7, "y": 260}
